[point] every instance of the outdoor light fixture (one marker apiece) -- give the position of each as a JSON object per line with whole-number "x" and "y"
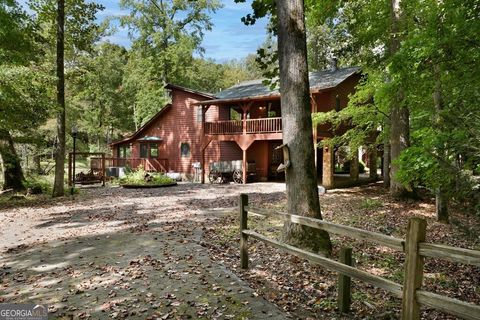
{"x": 74, "y": 135}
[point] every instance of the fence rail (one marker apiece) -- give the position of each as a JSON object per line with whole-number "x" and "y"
{"x": 414, "y": 247}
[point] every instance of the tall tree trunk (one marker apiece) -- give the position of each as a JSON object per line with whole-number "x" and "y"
{"x": 58, "y": 189}
{"x": 302, "y": 188}
{"x": 37, "y": 162}
{"x": 399, "y": 141}
{"x": 386, "y": 164}
{"x": 399, "y": 113}
{"x": 441, "y": 197}
{"x": 13, "y": 174}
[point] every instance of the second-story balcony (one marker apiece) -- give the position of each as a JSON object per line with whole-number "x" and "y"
{"x": 247, "y": 126}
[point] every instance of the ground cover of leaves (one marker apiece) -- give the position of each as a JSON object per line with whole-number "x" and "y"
{"x": 113, "y": 253}
{"x": 306, "y": 291}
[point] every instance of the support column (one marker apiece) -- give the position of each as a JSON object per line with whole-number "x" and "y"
{"x": 315, "y": 132}
{"x": 70, "y": 169}
{"x": 202, "y": 166}
{"x": 372, "y": 162}
{"x": 244, "y": 118}
{"x": 328, "y": 167}
{"x": 244, "y": 166}
{"x": 202, "y": 160}
{"x": 354, "y": 170}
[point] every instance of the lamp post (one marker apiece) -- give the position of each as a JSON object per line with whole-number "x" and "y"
{"x": 74, "y": 135}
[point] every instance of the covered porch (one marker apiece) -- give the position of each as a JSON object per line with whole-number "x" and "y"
{"x": 143, "y": 152}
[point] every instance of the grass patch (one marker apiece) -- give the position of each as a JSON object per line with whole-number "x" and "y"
{"x": 370, "y": 204}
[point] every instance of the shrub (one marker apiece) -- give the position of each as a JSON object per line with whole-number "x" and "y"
{"x": 38, "y": 184}
{"x": 137, "y": 177}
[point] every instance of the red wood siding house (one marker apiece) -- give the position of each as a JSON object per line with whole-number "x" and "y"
{"x": 172, "y": 139}
{"x": 240, "y": 123}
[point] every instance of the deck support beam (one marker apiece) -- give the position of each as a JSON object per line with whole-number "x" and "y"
{"x": 202, "y": 160}
{"x": 328, "y": 167}
{"x": 315, "y": 131}
{"x": 244, "y": 166}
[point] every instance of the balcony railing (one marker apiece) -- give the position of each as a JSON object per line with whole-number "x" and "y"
{"x": 150, "y": 164}
{"x": 249, "y": 126}
{"x": 224, "y": 127}
{"x": 264, "y": 125}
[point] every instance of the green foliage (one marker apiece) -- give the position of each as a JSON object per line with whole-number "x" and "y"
{"x": 100, "y": 100}
{"x": 38, "y": 183}
{"x": 81, "y": 29}
{"x": 369, "y": 204}
{"x": 24, "y": 98}
{"x": 137, "y": 177}
{"x": 166, "y": 36}
{"x": 17, "y": 43}
{"x": 435, "y": 70}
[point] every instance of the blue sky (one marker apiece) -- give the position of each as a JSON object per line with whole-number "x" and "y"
{"x": 228, "y": 39}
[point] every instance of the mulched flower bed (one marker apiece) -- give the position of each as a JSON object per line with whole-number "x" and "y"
{"x": 148, "y": 185}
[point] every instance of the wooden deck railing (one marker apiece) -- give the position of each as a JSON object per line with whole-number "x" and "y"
{"x": 224, "y": 127}
{"x": 414, "y": 247}
{"x": 150, "y": 164}
{"x": 249, "y": 126}
{"x": 264, "y": 125}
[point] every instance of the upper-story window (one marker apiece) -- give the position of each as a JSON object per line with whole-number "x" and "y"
{"x": 337, "y": 103}
{"x": 124, "y": 151}
{"x": 199, "y": 114}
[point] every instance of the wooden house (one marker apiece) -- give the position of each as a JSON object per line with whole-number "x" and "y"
{"x": 243, "y": 122}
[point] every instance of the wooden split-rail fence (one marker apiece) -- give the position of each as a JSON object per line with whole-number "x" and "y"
{"x": 414, "y": 247}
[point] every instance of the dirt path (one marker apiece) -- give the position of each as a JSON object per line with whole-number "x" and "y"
{"x": 116, "y": 253}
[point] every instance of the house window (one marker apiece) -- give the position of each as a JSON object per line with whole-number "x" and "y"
{"x": 185, "y": 149}
{"x": 153, "y": 150}
{"x": 143, "y": 150}
{"x": 148, "y": 150}
{"x": 123, "y": 152}
{"x": 199, "y": 114}
{"x": 337, "y": 103}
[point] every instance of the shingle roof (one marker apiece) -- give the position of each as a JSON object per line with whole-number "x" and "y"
{"x": 318, "y": 80}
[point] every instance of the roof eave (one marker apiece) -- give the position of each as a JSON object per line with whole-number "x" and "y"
{"x": 199, "y": 93}
{"x": 148, "y": 123}
{"x": 236, "y": 100}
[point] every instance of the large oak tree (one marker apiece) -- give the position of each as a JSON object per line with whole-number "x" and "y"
{"x": 302, "y": 188}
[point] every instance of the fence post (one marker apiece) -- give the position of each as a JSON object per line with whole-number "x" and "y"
{"x": 413, "y": 270}
{"x": 70, "y": 169}
{"x": 243, "y": 226}
{"x": 103, "y": 169}
{"x": 344, "y": 282}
